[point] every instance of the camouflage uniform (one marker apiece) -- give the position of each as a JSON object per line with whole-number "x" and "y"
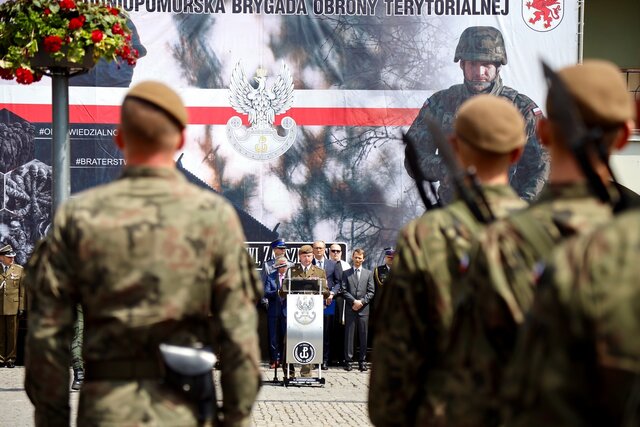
{"x": 498, "y": 292}
{"x": 577, "y": 361}
{"x": 417, "y": 305}
{"x": 527, "y": 176}
{"x": 481, "y": 44}
{"x": 149, "y": 257}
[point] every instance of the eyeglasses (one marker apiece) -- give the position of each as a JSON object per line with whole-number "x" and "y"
{"x": 336, "y": 251}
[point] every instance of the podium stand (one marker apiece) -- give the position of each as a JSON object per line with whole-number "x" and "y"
{"x": 305, "y": 305}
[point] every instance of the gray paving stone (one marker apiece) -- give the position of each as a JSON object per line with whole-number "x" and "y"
{"x": 342, "y": 401}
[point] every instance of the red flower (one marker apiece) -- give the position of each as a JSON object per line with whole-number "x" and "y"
{"x": 124, "y": 52}
{"x": 114, "y": 11}
{"x": 117, "y": 29}
{"x": 67, "y": 4}
{"x": 24, "y": 76}
{"x": 6, "y": 74}
{"x": 47, "y": 12}
{"x": 52, "y": 43}
{"x": 76, "y": 23}
{"x": 96, "y": 36}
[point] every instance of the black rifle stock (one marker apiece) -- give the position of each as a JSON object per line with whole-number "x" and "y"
{"x": 418, "y": 175}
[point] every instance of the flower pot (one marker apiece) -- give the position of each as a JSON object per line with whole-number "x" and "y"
{"x": 42, "y": 60}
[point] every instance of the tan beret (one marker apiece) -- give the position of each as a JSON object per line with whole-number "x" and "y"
{"x": 490, "y": 123}
{"x": 305, "y": 249}
{"x": 163, "y": 97}
{"x": 600, "y": 93}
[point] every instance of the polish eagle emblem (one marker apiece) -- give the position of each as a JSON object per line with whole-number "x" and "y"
{"x": 305, "y": 314}
{"x": 261, "y": 103}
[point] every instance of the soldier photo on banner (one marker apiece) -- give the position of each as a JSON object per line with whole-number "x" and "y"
{"x": 481, "y": 53}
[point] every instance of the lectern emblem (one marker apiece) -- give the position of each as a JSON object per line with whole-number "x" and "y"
{"x": 305, "y": 314}
{"x": 304, "y": 352}
{"x": 261, "y": 141}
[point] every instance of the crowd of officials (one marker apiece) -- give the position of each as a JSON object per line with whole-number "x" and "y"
{"x": 349, "y": 292}
{"x": 493, "y": 312}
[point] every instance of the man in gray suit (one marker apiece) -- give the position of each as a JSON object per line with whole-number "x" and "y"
{"x": 358, "y": 293}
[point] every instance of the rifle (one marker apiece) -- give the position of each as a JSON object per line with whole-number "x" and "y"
{"x": 583, "y": 142}
{"x": 466, "y": 182}
{"x": 418, "y": 175}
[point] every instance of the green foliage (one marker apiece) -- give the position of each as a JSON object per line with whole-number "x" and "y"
{"x": 67, "y": 30}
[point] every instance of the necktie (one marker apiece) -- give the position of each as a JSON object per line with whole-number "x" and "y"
{"x": 320, "y": 265}
{"x": 357, "y": 274}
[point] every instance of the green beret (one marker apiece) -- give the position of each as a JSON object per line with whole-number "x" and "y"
{"x": 162, "y": 96}
{"x": 490, "y": 123}
{"x": 305, "y": 249}
{"x": 600, "y": 93}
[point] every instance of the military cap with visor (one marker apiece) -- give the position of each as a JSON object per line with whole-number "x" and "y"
{"x": 278, "y": 243}
{"x": 7, "y": 251}
{"x": 281, "y": 262}
{"x": 490, "y": 123}
{"x": 162, "y": 97}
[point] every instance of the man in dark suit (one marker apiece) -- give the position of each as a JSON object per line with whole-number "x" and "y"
{"x": 358, "y": 290}
{"x": 328, "y": 265}
{"x": 276, "y": 310}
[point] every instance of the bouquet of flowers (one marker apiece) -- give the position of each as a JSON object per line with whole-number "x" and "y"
{"x": 66, "y": 30}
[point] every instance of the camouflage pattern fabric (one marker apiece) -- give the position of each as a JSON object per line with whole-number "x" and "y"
{"x": 76, "y": 342}
{"x": 498, "y": 292}
{"x": 527, "y": 177}
{"x": 417, "y": 306}
{"x": 151, "y": 259}
{"x": 577, "y": 361}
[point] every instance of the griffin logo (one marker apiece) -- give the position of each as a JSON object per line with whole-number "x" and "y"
{"x": 542, "y": 15}
{"x": 261, "y": 141}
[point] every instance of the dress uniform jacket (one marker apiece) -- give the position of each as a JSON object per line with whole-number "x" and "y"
{"x": 13, "y": 291}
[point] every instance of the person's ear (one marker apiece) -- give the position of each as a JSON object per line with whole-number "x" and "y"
{"x": 182, "y": 141}
{"x": 543, "y": 129}
{"x": 622, "y": 137}
{"x": 515, "y": 155}
{"x": 118, "y": 139}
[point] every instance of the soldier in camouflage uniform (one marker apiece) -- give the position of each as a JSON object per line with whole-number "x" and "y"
{"x": 578, "y": 359}
{"x": 500, "y": 282}
{"x": 416, "y": 308}
{"x": 152, "y": 259}
{"x": 481, "y": 53}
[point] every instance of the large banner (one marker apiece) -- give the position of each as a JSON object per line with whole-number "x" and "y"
{"x": 296, "y": 106}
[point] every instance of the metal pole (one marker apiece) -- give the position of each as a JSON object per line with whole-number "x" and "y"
{"x": 60, "y": 147}
{"x": 581, "y": 6}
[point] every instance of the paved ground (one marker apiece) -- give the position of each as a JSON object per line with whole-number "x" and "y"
{"x": 342, "y": 401}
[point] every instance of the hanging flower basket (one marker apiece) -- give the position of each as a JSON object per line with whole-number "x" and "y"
{"x": 37, "y": 36}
